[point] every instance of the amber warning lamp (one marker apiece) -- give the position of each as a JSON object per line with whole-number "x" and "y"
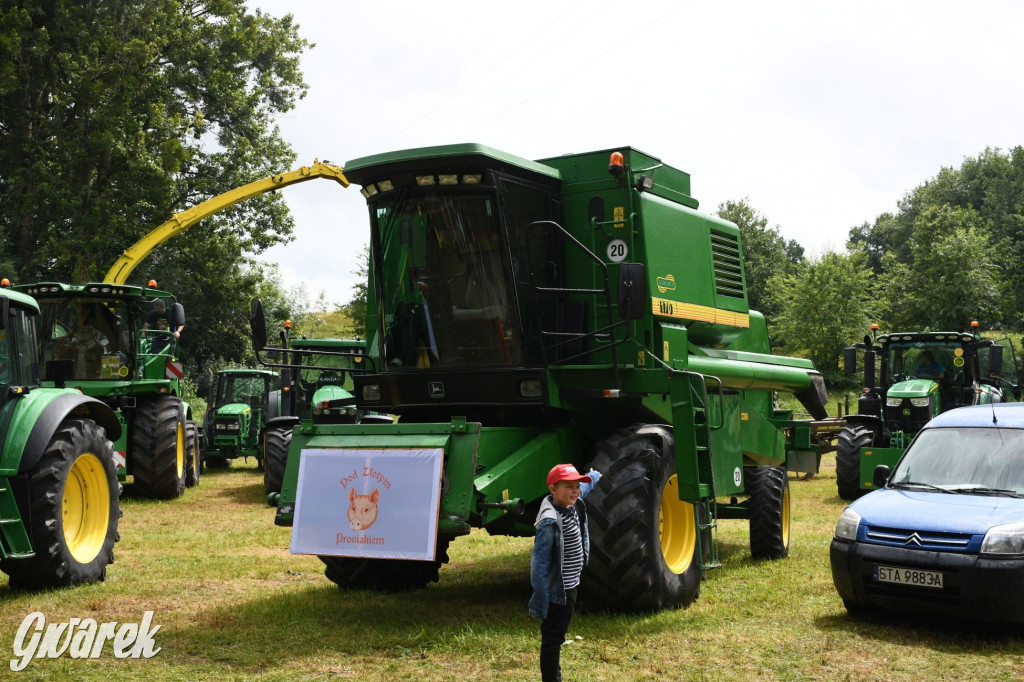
{"x": 974, "y": 324}
{"x": 5, "y": 282}
{"x": 287, "y": 324}
{"x": 616, "y": 164}
{"x": 152, "y": 284}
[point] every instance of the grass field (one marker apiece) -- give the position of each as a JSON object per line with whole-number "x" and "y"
{"x": 232, "y": 603}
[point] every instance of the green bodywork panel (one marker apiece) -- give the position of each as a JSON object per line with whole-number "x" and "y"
{"x": 871, "y": 458}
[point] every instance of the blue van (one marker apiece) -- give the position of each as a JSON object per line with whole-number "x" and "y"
{"x": 944, "y": 533}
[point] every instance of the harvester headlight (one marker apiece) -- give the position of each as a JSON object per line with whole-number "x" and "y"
{"x": 385, "y": 186}
{"x": 919, "y": 402}
{"x": 371, "y": 392}
{"x": 472, "y": 179}
{"x": 530, "y": 388}
{"x": 846, "y": 528}
{"x": 894, "y": 402}
{"x": 425, "y": 180}
{"x": 368, "y": 191}
{"x": 448, "y": 179}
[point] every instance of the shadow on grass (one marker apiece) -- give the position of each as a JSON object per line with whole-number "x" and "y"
{"x": 940, "y": 633}
{"x": 481, "y": 605}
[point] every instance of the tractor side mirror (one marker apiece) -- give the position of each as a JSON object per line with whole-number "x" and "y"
{"x": 849, "y": 360}
{"x": 632, "y": 291}
{"x": 59, "y": 372}
{"x": 869, "y": 368}
{"x": 880, "y": 476}
{"x": 995, "y": 361}
{"x": 5, "y": 310}
{"x": 258, "y": 324}
{"x": 177, "y": 316}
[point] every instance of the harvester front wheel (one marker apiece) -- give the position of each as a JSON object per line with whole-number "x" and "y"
{"x": 769, "y": 512}
{"x": 275, "y": 455}
{"x": 193, "y": 455}
{"x": 74, "y": 512}
{"x": 644, "y": 548}
{"x": 158, "y": 448}
{"x": 851, "y": 440}
{"x": 386, "y": 575}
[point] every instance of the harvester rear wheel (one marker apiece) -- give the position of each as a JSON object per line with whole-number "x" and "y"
{"x": 386, "y": 575}
{"x": 644, "y": 554}
{"x": 193, "y": 455}
{"x": 75, "y": 510}
{"x": 158, "y": 448}
{"x": 769, "y": 512}
{"x": 851, "y": 440}
{"x": 276, "y": 442}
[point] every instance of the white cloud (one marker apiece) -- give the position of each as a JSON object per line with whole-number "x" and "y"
{"x": 823, "y": 114}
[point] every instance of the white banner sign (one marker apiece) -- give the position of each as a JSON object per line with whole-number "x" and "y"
{"x": 368, "y": 503}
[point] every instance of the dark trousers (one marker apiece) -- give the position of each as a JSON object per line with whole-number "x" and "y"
{"x": 552, "y": 635}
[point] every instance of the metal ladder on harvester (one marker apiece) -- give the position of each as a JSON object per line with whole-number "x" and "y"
{"x": 701, "y": 432}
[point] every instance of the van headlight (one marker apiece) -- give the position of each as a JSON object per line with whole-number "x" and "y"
{"x": 846, "y": 527}
{"x": 1005, "y": 539}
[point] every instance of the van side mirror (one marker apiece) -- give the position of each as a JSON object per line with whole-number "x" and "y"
{"x": 258, "y": 324}
{"x": 632, "y": 291}
{"x": 995, "y": 361}
{"x": 880, "y": 476}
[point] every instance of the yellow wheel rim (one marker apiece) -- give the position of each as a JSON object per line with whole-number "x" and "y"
{"x": 785, "y": 515}
{"x": 85, "y": 508}
{"x": 677, "y": 528}
{"x": 181, "y": 451}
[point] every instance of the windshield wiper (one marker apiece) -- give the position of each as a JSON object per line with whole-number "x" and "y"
{"x": 982, "y": 490}
{"x": 926, "y": 486}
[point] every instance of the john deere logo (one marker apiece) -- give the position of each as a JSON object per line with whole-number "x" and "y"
{"x": 666, "y": 283}
{"x": 436, "y": 389}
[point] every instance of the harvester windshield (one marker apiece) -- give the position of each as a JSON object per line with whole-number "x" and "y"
{"x": 91, "y": 333}
{"x": 445, "y": 293}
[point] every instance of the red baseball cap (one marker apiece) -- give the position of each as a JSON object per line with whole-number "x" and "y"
{"x": 565, "y": 472}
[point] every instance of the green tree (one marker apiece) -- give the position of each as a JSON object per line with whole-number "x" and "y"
{"x": 115, "y": 115}
{"x": 827, "y": 303}
{"x": 950, "y": 277}
{"x": 765, "y": 252}
{"x": 356, "y": 307}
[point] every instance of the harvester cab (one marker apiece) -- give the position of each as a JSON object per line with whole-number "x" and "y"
{"x": 527, "y": 313}
{"x": 116, "y": 343}
{"x": 909, "y": 377}
{"x": 59, "y": 495}
{"x": 240, "y": 403}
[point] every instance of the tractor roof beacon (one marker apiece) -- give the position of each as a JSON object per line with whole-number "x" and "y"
{"x": 919, "y": 375}
{"x": 526, "y": 313}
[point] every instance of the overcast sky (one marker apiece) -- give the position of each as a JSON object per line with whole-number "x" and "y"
{"x": 822, "y": 114}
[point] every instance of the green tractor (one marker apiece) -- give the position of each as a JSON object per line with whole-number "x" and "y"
{"x": 529, "y": 313}
{"x": 319, "y": 374}
{"x": 59, "y": 494}
{"x": 920, "y": 375}
{"x": 241, "y": 402}
{"x": 94, "y": 338}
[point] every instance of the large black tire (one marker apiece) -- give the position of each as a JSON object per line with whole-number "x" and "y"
{"x": 75, "y": 510}
{"x": 644, "y": 552}
{"x": 276, "y": 442}
{"x": 193, "y": 455}
{"x": 769, "y": 512}
{"x": 387, "y": 575}
{"x": 158, "y": 448}
{"x": 851, "y": 439}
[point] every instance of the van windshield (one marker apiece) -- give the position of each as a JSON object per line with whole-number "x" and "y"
{"x": 965, "y": 460}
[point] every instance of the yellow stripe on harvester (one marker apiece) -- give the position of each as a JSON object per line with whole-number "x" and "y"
{"x": 662, "y": 307}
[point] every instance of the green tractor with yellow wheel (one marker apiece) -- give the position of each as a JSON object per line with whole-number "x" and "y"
{"x": 59, "y": 494}
{"x": 526, "y": 313}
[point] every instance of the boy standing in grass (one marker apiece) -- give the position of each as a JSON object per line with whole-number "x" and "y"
{"x": 560, "y": 551}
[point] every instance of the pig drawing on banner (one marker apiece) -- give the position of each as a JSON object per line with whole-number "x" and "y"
{"x": 362, "y": 509}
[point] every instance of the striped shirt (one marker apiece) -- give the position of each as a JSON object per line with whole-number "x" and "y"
{"x": 572, "y": 543}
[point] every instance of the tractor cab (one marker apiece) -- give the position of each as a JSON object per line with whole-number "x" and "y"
{"x": 240, "y": 403}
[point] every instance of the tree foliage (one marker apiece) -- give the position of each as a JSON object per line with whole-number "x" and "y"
{"x": 114, "y": 115}
{"x": 830, "y": 303}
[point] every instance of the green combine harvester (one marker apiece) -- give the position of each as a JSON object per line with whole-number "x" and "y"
{"x": 59, "y": 495}
{"x": 528, "y": 313}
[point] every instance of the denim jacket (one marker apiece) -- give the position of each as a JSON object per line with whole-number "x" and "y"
{"x": 548, "y": 552}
